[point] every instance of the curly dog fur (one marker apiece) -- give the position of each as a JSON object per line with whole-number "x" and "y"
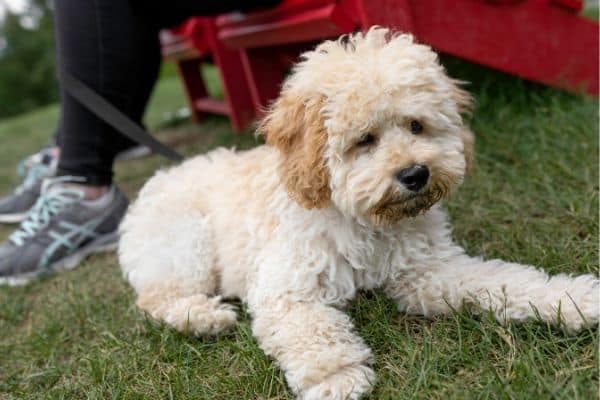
{"x": 295, "y": 227}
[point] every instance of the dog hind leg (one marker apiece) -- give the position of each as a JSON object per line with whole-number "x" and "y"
{"x": 169, "y": 259}
{"x": 194, "y": 314}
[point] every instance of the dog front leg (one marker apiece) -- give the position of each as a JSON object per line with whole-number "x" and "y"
{"x": 316, "y": 347}
{"x": 511, "y": 291}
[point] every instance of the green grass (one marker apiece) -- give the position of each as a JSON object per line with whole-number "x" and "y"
{"x": 532, "y": 198}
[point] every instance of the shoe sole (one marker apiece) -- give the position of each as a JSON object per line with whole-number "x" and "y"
{"x": 102, "y": 244}
{"x": 12, "y": 218}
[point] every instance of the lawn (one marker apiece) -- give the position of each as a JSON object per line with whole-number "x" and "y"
{"x": 532, "y": 198}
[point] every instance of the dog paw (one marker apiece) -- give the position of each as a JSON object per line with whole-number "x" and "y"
{"x": 213, "y": 323}
{"x": 200, "y": 315}
{"x": 581, "y": 307}
{"x": 348, "y": 384}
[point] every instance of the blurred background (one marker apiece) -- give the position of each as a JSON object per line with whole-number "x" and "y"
{"x": 27, "y": 79}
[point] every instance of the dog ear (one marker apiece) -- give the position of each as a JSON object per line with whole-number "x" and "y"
{"x": 295, "y": 127}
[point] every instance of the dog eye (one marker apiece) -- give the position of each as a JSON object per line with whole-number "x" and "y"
{"x": 415, "y": 127}
{"x": 366, "y": 140}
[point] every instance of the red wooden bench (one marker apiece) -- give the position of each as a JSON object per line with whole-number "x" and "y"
{"x": 195, "y": 43}
{"x": 542, "y": 40}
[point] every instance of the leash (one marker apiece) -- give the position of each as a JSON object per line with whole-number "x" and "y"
{"x": 113, "y": 116}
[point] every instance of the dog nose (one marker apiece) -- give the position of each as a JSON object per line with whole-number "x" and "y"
{"x": 414, "y": 177}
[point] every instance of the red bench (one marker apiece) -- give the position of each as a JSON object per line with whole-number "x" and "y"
{"x": 541, "y": 40}
{"x": 194, "y": 43}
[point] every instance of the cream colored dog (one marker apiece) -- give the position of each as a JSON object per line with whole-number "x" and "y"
{"x": 363, "y": 142}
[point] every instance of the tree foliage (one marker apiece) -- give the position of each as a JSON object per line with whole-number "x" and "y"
{"x": 27, "y": 58}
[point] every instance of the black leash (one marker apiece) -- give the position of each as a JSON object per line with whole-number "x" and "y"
{"x": 112, "y": 116}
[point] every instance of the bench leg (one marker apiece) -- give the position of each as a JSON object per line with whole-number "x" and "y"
{"x": 235, "y": 86}
{"x": 264, "y": 74}
{"x": 193, "y": 85}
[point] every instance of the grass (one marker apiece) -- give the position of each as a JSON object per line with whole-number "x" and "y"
{"x": 532, "y": 198}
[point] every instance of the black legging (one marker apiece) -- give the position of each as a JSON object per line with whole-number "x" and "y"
{"x": 113, "y": 46}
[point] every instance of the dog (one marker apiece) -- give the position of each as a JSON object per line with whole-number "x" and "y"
{"x": 364, "y": 141}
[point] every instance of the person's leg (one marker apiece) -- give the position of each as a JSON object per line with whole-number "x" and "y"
{"x": 117, "y": 54}
{"x": 113, "y": 46}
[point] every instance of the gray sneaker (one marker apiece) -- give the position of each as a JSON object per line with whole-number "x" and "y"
{"x": 60, "y": 231}
{"x": 41, "y": 157}
{"x": 35, "y": 168}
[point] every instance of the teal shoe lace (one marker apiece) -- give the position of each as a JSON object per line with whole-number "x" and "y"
{"x": 34, "y": 174}
{"x": 45, "y": 156}
{"x": 22, "y": 169}
{"x": 50, "y": 203}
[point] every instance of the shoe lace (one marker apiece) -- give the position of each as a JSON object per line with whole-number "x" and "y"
{"x": 49, "y": 204}
{"x": 28, "y": 162}
{"x": 22, "y": 168}
{"x": 36, "y": 173}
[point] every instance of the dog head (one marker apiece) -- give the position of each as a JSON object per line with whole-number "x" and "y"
{"x": 371, "y": 124}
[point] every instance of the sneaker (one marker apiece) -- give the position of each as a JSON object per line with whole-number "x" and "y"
{"x": 14, "y": 207}
{"x": 33, "y": 169}
{"x": 60, "y": 231}
{"x": 24, "y": 166}
{"x": 33, "y": 160}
